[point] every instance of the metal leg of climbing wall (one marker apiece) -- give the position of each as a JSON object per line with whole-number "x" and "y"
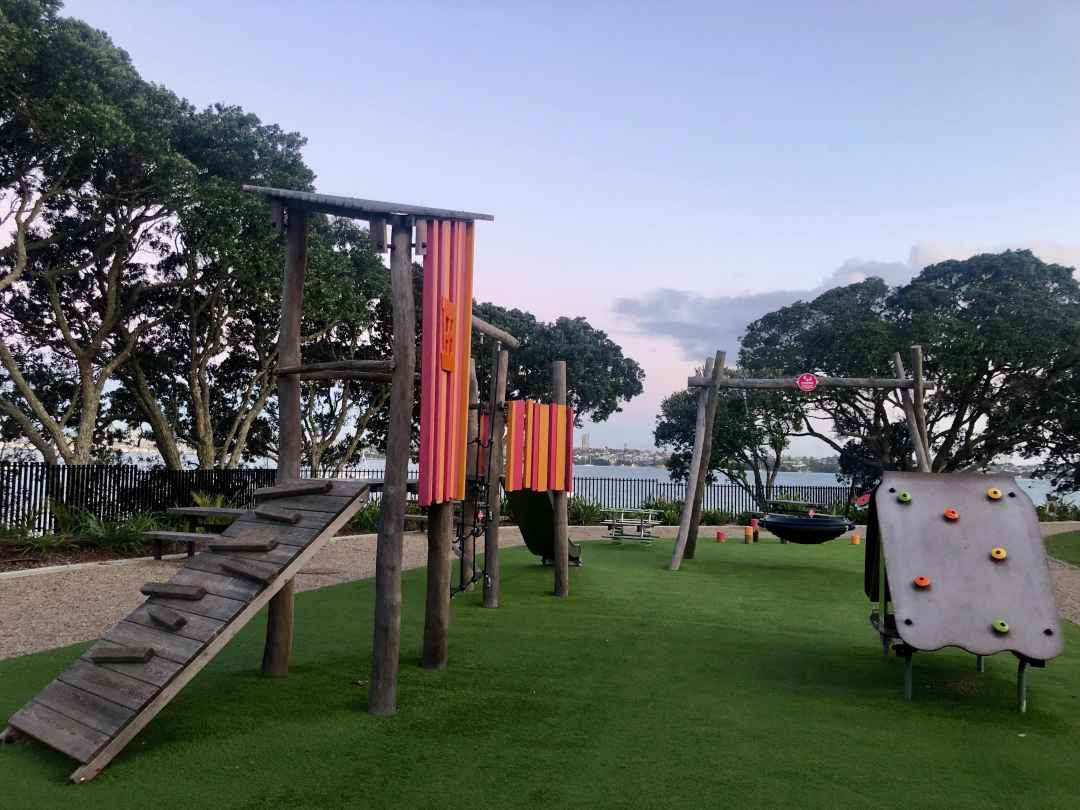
{"x": 908, "y": 672}
{"x": 1021, "y": 685}
{"x": 980, "y": 664}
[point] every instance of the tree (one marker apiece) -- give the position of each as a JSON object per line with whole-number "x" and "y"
{"x": 86, "y": 173}
{"x": 750, "y": 434}
{"x": 999, "y": 330}
{"x": 599, "y": 377}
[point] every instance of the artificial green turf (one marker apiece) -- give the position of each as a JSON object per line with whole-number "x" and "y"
{"x": 749, "y": 679}
{"x": 1065, "y": 547}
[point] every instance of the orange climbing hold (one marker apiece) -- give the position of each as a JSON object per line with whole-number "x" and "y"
{"x": 998, "y": 553}
{"x": 952, "y": 514}
{"x": 921, "y": 582}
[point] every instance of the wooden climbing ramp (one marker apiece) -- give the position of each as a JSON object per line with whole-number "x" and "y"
{"x": 96, "y": 706}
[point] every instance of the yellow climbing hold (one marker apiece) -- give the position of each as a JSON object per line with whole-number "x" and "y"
{"x": 994, "y": 494}
{"x": 998, "y": 553}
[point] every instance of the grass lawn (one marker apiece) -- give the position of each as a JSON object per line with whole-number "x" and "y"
{"x": 749, "y": 679}
{"x": 1065, "y": 547}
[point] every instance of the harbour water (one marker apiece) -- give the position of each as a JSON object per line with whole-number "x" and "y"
{"x": 1037, "y": 489}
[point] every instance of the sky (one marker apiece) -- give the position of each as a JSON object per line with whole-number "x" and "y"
{"x": 668, "y": 171}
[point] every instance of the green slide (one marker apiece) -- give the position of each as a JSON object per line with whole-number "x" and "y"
{"x": 535, "y": 517}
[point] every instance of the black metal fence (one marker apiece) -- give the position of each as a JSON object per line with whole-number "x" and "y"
{"x": 29, "y": 492}
{"x": 629, "y": 493}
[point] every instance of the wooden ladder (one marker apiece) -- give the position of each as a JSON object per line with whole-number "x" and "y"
{"x": 94, "y": 708}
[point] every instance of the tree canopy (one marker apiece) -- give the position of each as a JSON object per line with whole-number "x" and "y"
{"x": 600, "y": 378}
{"x": 1000, "y": 334}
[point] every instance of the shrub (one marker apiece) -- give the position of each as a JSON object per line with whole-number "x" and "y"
{"x": 217, "y": 502}
{"x": 669, "y": 511}
{"x": 121, "y": 536}
{"x": 1056, "y": 509}
{"x": 48, "y": 543}
{"x": 583, "y": 512}
{"x": 365, "y": 521}
{"x": 716, "y": 517}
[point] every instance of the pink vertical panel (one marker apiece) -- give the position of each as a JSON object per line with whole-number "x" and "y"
{"x": 569, "y": 449}
{"x": 442, "y": 425}
{"x": 428, "y": 364}
{"x": 515, "y": 440}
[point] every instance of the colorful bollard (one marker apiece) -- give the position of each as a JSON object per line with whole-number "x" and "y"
{"x": 748, "y": 535}
{"x": 754, "y": 526}
{"x": 720, "y": 536}
{"x": 855, "y": 539}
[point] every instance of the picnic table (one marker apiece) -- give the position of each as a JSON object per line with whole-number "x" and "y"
{"x": 631, "y": 524}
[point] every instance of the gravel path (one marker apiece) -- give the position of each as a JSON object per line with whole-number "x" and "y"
{"x": 40, "y": 611}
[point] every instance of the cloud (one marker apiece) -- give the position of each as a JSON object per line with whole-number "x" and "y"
{"x": 701, "y": 324}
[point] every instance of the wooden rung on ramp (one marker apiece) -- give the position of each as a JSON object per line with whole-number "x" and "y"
{"x": 276, "y": 515}
{"x": 170, "y": 590}
{"x": 122, "y": 655}
{"x": 166, "y": 617}
{"x": 95, "y": 707}
{"x": 229, "y": 546}
{"x": 293, "y": 489}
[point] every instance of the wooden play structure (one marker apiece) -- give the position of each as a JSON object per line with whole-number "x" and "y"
{"x": 100, "y": 703}
{"x": 712, "y": 380}
{"x": 963, "y": 564}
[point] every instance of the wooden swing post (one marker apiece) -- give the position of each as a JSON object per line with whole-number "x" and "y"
{"x": 279, "y": 613}
{"x": 717, "y": 364}
{"x": 382, "y": 690}
{"x": 500, "y": 362}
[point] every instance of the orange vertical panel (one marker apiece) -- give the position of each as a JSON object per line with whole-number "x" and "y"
{"x": 543, "y": 482}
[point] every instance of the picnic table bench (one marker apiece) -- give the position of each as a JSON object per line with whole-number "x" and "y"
{"x": 631, "y": 524}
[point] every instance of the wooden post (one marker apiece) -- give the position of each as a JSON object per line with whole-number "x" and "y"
{"x": 921, "y": 453}
{"x": 717, "y": 365}
{"x": 279, "y": 613}
{"x": 440, "y": 530}
{"x": 468, "y": 507}
{"x": 558, "y": 500}
{"x": 920, "y": 399}
{"x": 692, "y": 473}
{"x": 382, "y": 690}
{"x": 497, "y": 401}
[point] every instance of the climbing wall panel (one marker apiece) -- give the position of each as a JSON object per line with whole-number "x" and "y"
{"x": 444, "y": 362}
{"x": 965, "y": 564}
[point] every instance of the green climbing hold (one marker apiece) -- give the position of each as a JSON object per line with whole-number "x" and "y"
{"x": 1000, "y": 626}
{"x": 904, "y": 497}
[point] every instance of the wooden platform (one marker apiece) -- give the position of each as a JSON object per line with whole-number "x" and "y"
{"x": 93, "y": 709}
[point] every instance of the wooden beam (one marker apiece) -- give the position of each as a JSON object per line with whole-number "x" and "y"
{"x": 711, "y": 405}
{"x": 382, "y": 689}
{"x": 440, "y": 529}
{"x": 279, "y": 616}
{"x": 790, "y": 382}
{"x": 290, "y": 489}
{"x": 468, "y": 506}
{"x": 558, "y": 497}
{"x": 505, "y": 338}
{"x": 385, "y": 366}
{"x": 922, "y": 455}
{"x": 497, "y": 400}
{"x": 920, "y": 398}
{"x": 694, "y": 469}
